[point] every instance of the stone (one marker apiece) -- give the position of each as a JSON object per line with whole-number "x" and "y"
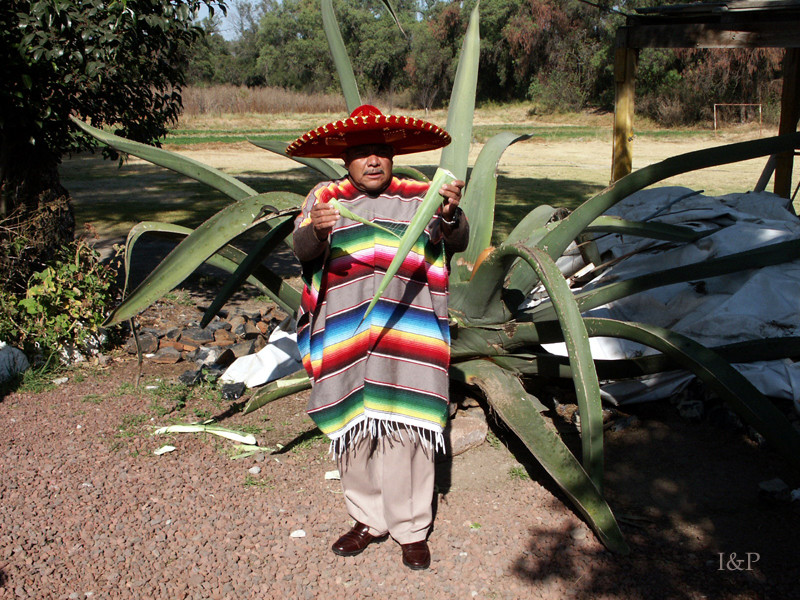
{"x": 467, "y": 402}
{"x": 225, "y": 358}
{"x": 254, "y": 470}
{"x": 167, "y": 343}
{"x": 237, "y": 320}
{"x": 259, "y": 343}
{"x": 463, "y": 433}
{"x": 206, "y": 355}
{"x": 167, "y": 356}
{"x": 218, "y": 325}
{"x": 173, "y": 334}
{"x": 247, "y": 330}
{"x": 194, "y": 336}
{"x": 243, "y": 348}
{"x": 233, "y": 391}
{"x": 191, "y": 377}
{"x": 147, "y": 341}
{"x": 224, "y": 335}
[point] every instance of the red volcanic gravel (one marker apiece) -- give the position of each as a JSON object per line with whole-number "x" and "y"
{"x": 88, "y": 511}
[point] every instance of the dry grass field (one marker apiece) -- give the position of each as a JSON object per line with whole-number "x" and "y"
{"x": 567, "y": 160}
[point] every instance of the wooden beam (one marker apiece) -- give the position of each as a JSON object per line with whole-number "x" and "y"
{"x": 624, "y": 84}
{"x": 790, "y": 113}
{"x": 758, "y": 34}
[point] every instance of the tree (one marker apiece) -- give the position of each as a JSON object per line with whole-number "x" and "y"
{"x": 113, "y": 62}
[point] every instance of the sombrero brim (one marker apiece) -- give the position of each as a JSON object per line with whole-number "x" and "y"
{"x": 405, "y": 134}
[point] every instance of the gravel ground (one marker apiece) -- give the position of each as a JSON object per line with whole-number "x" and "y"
{"x": 88, "y": 511}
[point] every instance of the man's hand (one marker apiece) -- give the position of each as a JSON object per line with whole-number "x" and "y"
{"x": 323, "y": 218}
{"x": 451, "y": 192}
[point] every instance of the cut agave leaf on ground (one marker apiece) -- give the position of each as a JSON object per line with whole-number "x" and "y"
{"x": 197, "y": 247}
{"x": 280, "y": 388}
{"x": 236, "y": 436}
{"x": 522, "y": 414}
{"x": 326, "y": 167}
{"x": 230, "y": 186}
{"x": 745, "y": 400}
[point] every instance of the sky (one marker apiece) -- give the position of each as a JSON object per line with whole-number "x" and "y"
{"x": 228, "y": 31}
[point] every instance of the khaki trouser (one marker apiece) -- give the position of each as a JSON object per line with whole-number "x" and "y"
{"x": 388, "y": 485}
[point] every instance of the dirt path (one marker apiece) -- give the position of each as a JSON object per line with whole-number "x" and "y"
{"x": 88, "y": 511}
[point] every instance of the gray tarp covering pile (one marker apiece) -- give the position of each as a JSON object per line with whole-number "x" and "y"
{"x": 753, "y": 304}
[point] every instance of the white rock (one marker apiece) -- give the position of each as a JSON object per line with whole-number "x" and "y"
{"x": 163, "y": 450}
{"x": 333, "y": 475}
{"x": 299, "y": 533}
{"x": 60, "y": 380}
{"x": 254, "y": 470}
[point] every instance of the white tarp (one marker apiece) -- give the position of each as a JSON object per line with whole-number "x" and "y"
{"x": 280, "y": 357}
{"x": 750, "y": 305}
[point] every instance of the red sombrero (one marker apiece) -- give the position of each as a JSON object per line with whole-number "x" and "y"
{"x": 366, "y": 125}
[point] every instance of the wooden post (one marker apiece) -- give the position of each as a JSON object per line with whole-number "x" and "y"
{"x": 790, "y": 112}
{"x": 624, "y": 80}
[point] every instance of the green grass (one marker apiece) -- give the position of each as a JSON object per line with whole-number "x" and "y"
{"x": 518, "y": 473}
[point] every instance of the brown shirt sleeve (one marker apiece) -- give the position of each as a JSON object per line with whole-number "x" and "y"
{"x": 458, "y": 238}
{"x": 307, "y": 246}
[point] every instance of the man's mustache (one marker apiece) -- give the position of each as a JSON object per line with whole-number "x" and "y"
{"x": 373, "y": 171}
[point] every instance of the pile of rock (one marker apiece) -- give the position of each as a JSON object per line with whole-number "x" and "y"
{"x": 228, "y": 337}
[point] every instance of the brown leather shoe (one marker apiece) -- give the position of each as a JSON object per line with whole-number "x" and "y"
{"x": 416, "y": 555}
{"x": 354, "y": 541}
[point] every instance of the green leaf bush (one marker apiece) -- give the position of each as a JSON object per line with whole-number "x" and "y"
{"x": 64, "y": 305}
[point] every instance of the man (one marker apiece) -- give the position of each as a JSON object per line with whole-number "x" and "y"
{"x": 380, "y": 385}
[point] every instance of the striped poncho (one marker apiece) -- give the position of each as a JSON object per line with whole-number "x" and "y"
{"x": 389, "y": 371}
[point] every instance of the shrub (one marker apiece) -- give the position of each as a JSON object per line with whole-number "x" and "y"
{"x": 64, "y": 305}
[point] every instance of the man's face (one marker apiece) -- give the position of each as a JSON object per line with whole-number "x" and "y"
{"x": 370, "y": 166}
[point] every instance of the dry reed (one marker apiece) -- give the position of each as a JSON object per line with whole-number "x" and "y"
{"x": 231, "y": 99}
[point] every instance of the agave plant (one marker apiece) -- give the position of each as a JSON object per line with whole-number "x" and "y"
{"x": 495, "y": 343}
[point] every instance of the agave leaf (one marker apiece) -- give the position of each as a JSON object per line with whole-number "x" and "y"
{"x": 340, "y": 59}
{"x": 478, "y": 203}
{"x": 262, "y": 249}
{"x": 280, "y": 388}
{"x": 349, "y": 214}
{"x": 772, "y": 254}
{"x": 230, "y": 186}
{"x": 556, "y": 241}
{"x": 236, "y": 436}
{"x": 193, "y": 251}
{"x": 732, "y": 386}
{"x": 521, "y": 413}
{"x": 422, "y": 217}
{"x": 651, "y": 230}
{"x": 409, "y": 173}
{"x": 226, "y": 258}
{"x": 325, "y": 166}
{"x": 462, "y": 101}
{"x": 587, "y": 388}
